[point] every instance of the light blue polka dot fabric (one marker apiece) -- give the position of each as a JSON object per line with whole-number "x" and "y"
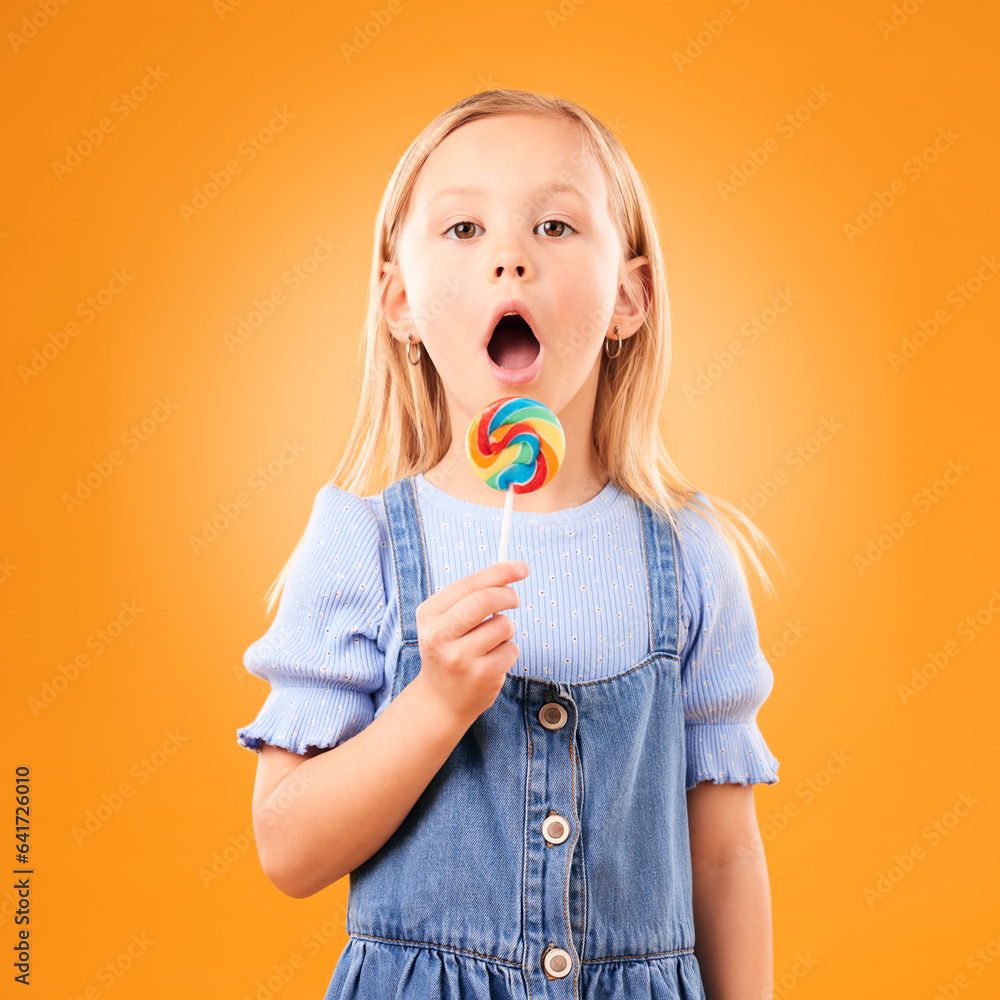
{"x": 583, "y": 615}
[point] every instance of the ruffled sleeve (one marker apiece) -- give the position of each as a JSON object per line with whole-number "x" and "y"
{"x": 321, "y": 654}
{"x": 724, "y": 675}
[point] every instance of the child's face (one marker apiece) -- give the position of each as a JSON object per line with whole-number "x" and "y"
{"x": 513, "y": 237}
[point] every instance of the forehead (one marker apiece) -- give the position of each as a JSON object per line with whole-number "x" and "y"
{"x": 510, "y": 155}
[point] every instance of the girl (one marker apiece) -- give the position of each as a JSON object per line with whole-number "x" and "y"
{"x": 557, "y": 801}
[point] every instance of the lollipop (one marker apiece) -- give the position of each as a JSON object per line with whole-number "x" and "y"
{"x": 515, "y": 444}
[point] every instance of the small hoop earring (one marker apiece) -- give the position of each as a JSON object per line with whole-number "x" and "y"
{"x": 409, "y": 344}
{"x": 618, "y": 340}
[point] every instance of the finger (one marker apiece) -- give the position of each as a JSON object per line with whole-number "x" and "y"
{"x": 475, "y": 608}
{"x": 486, "y": 637}
{"x": 491, "y": 576}
{"x": 502, "y": 657}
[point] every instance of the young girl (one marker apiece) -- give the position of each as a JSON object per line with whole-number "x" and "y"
{"x": 556, "y": 801}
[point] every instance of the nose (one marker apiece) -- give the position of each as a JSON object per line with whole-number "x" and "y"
{"x": 509, "y": 258}
{"x": 502, "y": 268}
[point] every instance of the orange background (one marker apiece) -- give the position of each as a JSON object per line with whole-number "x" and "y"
{"x": 157, "y": 709}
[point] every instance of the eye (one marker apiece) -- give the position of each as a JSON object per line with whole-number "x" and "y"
{"x": 558, "y": 222}
{"x": 457, "y": 224}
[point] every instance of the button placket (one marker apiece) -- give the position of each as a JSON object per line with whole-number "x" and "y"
{"x": 556, "y": 961}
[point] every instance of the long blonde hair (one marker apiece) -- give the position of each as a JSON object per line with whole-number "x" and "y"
{"x": 405, "y": 404}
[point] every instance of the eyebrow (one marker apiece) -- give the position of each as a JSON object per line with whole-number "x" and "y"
{"x": 557, "y": 187}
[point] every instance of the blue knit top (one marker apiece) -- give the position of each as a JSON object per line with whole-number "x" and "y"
{"x": 583, "y": 615}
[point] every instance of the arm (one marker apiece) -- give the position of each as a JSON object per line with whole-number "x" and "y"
{"x": 731, "y": 895}
{"x": 318, "y": 816}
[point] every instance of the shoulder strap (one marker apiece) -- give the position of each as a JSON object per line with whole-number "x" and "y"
{"x": 664, "y": 594}
{"x": 408, "y": 552}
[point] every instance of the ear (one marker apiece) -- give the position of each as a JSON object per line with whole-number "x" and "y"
{"x": 395, "y": 303}
{"x": 634, "y": 297}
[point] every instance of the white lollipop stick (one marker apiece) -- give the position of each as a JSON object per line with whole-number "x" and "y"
{"x": 514, "y": 431}
{"x": 508, "y": 506}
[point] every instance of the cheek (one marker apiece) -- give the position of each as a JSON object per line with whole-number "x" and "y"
{"x": 436, "y": 280}
{"x": 449, "y": 295}
{"x": 586, "y": 305}
{"x": 605, "y": 287}
{"x": 591, "y": 285}
{"x": 442, "y": 303}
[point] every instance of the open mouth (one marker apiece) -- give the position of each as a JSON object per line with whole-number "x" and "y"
{"x": 513, "y": 346}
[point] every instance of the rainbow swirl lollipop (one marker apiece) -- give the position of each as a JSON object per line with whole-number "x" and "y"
{"x": 515, "y": 444}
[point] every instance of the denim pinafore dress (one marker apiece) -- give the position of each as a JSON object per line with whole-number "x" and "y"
{"x": 549, "y": 856}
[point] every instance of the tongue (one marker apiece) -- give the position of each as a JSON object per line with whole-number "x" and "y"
{"x": 513, "y": 349}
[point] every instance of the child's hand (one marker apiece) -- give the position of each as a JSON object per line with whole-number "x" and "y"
{"x": 463, "y": 659}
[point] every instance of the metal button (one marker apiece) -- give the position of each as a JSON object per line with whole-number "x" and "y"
{"x": 555, "y": 829}
{"x": 557, "y": 962}
{"x": 552, "y": 715}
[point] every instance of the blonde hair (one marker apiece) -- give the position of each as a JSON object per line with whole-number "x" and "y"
{"x": 405, "y": 404}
